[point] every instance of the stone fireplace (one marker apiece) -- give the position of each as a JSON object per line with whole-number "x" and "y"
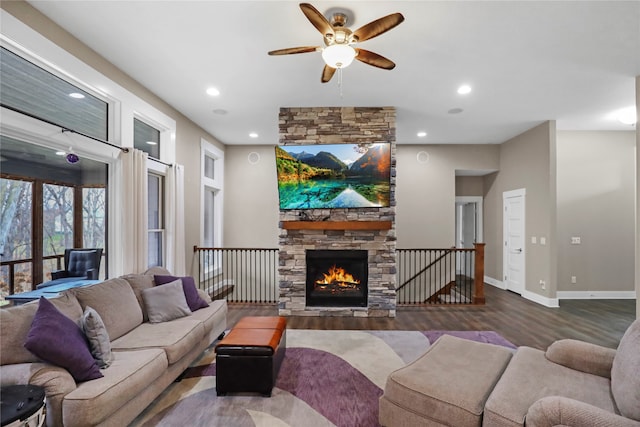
{"x": 368, "y": 232}
{"x": 337, "y": 278}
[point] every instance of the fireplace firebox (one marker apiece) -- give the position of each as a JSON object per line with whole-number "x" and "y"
{"x": 337, "y": 278}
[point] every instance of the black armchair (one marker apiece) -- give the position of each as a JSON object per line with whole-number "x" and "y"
{"x": 79, "y": 263}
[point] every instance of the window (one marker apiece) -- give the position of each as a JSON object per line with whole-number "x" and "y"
{"x": 156, "y": 220}
{"x": 146, "y": 138}
{"x": 36, "y": 92}
{"x": 15, "y": 232}
{"x": 94, "y": 211}
{"x": 57, "y": 224}
{"x": 46, "y": 207}
{"x": 212, "y": 166}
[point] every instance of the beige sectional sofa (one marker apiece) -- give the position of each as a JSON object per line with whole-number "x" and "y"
{"x": 464, "y": 383}
{"x": 147, "y": 357}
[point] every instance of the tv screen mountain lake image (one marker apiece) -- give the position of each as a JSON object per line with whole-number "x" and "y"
{"x": 334, "y": 176}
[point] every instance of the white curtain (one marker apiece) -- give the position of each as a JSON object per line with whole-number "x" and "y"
{"x": 129, "y": 252}
{"x": 175, "y": 220}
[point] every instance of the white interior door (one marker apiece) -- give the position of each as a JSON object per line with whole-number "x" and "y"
{"x": 514, "y": 240}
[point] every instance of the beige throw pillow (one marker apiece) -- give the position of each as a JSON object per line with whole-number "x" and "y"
{"x": 95, "y": 331}
{"x": 166, "y": 302}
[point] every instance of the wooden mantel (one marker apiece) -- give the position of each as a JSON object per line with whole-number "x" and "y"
{"x": 336, "y": 225}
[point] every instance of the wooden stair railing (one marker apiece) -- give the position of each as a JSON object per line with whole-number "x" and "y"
{"x": 419, "y": 273}
{"x": 478, "y": 281}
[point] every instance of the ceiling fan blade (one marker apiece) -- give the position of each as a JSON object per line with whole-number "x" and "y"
{"x": 374, "y": 59}
{"x": 291, "y": 50}
{"x": 377, "y": 27}
{"x": 327, "y": 73}
{"x": 317, "y": 19}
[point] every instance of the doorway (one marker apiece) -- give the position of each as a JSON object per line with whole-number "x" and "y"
{"x": 514, "y": 256}
{"x": 468, "y": 225}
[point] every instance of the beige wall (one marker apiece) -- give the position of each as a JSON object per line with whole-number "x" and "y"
{"x": 188, "y": 134}
{"x": 526, "y": 161}
{"x": 637, "y": 272}
{"x": 469, "y": 186}
{"x": 425, "y": 192}
{"x": 251, "y": 198}
{"x": 596, "y": 198}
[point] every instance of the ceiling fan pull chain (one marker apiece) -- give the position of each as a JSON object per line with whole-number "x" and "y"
{"x": 340, "y": 81}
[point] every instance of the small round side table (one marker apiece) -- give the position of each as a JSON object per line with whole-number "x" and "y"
{"x": 22, "y": 406}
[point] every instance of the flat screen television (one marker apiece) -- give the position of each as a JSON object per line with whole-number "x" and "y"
{"x": 333, "y": 176}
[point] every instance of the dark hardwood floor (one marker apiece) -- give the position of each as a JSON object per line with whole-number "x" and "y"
{"x": 521, "y": 321}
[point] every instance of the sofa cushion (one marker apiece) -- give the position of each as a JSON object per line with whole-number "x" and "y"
{"x": 531, "y": 376}
{"x": 176, "y": 337}
{"x": 96, "y": 333}
{"x": 441, "y": 386}
{"x": 116, "y": 303}
{"x": 129, "y": 375}
{"x": 625, "y": 380}
{"x": 211, "y": 316}
{"x": 56, "y": 339}
{"x": 138, "y": 283}
{"x": 15, "y": 323}
{"x": 164, "y": 303}
{"x": 188, "y": 286}
{"x": 151, "y": 271}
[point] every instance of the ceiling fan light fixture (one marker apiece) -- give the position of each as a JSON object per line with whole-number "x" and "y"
{"x": 338, "y": 55}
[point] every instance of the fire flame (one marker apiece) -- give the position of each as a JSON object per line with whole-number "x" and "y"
{"x": 337, "y": 275}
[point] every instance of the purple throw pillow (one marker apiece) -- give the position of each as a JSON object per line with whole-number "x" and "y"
{"x": 189, "y": 287}
{"x": 56, "y": 339}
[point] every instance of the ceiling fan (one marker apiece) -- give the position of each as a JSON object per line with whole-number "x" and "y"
{"x": 339, "y": 50}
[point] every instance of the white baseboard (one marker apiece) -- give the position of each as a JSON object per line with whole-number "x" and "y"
{"x": 596, "y": 294}
{"x": 541, "y": 299}
{"x": 494, "y": 282}
{"x": 532, "y": 296}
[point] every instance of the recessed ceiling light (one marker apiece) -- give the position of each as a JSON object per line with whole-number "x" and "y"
{"x": 455, "y": 111}
{"x": 464, "y": 89}
{"x": 152, "y": 143}
{"x": 212, "y": 91}
{"x": 60, "y": 153}
{"x": 253, "y": 135}
{"x": 422, "y": 134}
{"x": 76, "y": 95}
{"x": 627, "y": 116}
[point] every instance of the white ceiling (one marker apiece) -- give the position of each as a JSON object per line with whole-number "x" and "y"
{"x": 574, "y": 62}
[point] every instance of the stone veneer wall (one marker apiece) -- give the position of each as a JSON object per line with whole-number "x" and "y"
{"x": 335, "y": 125}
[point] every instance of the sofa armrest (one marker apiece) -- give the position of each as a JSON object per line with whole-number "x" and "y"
{"x": 57, "y": 383}
{"x": 562, "y": 411}
{"x": 59, "y": 274}
{"x": 92, "y": 274}
{"x": 582, "y": 356}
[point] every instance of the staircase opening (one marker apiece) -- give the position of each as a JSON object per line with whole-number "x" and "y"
{"x": 336, "y": 278}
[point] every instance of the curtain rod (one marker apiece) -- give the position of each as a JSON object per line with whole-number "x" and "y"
{"x": 66, "y": 129}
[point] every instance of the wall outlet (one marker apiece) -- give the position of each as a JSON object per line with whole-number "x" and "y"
{"x": 543, "y": 284}
{"x": 573, "y": 279}
{"x": 575, "y": 240}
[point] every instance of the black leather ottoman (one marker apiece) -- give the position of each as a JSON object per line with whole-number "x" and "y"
{"x": 248, "y": 359}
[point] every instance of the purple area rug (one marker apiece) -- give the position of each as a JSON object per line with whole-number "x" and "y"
{"x": 327, "y": 378}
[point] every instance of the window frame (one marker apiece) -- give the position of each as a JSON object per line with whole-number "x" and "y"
{"x": 159, "y": 170}
{"x": 216, "y": 186}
